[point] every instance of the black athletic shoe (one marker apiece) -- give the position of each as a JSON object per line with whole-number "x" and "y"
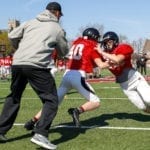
{"x": 3, "y": 139}
{"x": 74, "y": 112}
{"x": 29, "y": 125}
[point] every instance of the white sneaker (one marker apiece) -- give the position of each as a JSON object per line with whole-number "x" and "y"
{"x": 43, "y": 142}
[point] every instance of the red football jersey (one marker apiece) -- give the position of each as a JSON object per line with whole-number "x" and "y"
{"x": 8, "y": 61}
{"x": 82, "y": 55}
{"x": 127, "y": 51}
{"x": 2, "y": 61}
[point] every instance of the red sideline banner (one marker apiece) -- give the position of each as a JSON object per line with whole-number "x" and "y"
{"x": 110, "y": 79}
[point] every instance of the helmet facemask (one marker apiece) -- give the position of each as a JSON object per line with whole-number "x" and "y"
{"x": 110, "y": 41}
{"x": 109, "y": 45}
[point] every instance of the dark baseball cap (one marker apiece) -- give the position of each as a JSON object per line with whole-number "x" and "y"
{"x": 54, "y": 6}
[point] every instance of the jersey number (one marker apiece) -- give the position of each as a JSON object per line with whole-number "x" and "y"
{"x": 76, "y": 51}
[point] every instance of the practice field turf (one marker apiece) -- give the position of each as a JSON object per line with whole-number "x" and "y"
{"x": 116, "y": 125}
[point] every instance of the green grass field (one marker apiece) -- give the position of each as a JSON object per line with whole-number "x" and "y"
{"x": 116, "y": 125}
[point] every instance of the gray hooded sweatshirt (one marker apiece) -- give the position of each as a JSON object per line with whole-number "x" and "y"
{"x": 36, "y": 39}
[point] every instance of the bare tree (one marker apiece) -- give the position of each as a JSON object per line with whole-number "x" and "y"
{"x": 123, "y": 39}
{"x": 138, "y": 45}
{"x": 99, "y": 27}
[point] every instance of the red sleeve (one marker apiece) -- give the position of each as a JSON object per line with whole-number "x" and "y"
{"x": 95, "y": 55}
{"x": 125, "y": 50}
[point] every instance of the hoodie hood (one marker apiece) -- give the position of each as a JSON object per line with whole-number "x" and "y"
{"x": 46, "y": 16}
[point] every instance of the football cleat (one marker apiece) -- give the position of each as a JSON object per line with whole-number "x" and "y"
{"x": 29, "y": 125}
{"x": 74, "y": 112}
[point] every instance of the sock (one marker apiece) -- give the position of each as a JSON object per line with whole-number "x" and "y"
{"x": 81, "y": 109}
{"x": 35, "y": 119}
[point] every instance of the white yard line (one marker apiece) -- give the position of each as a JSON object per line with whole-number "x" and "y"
{"x": 78, "y": 98}
{"x": 104, "y": 127}
{"x": 91, "y": 127}
{"x": 100, "y": 98}
{"x": 106, "y": 87}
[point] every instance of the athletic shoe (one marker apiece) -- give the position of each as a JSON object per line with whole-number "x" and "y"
{"x": 29, "y": 125}
{"x": 43, "y": 142}
{"x": 3, "y": 139}
{"x": 74, "y": 112}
